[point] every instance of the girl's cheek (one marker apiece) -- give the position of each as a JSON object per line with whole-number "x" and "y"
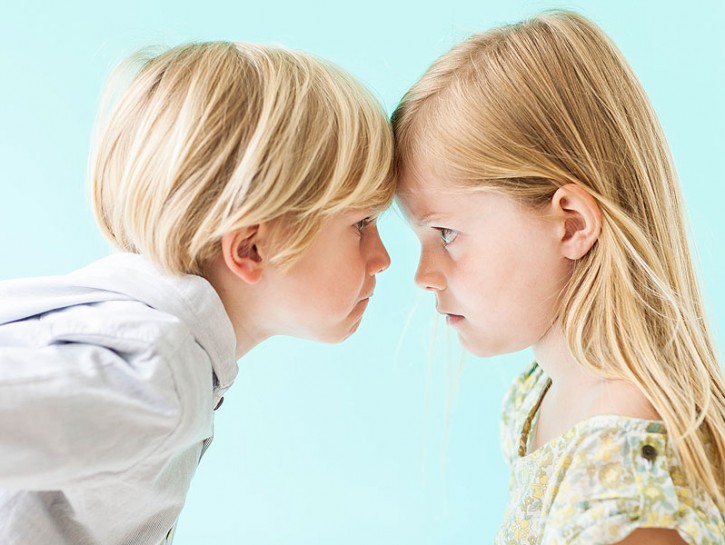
{"x": 456, "y": 251}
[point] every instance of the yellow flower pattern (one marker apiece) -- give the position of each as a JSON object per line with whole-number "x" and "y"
{"x": 598, "y": 482}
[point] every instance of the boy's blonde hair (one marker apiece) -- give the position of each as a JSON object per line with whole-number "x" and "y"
{"x": 212, "y": 137}
{"x": 528, "y": 108}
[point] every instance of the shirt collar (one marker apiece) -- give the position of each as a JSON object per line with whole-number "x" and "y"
{"x": 190, "y": 298}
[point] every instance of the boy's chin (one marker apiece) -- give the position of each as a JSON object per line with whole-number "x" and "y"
{"x": 335, "y": 335}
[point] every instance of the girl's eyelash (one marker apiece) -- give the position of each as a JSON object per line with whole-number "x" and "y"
{"x": 447, "y": 235}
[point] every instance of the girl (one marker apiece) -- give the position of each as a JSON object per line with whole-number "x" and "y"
{"x": 241, "y": 183}
{"x": 535, "y": 173}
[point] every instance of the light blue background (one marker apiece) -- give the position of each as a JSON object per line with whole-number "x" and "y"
{"x": 368, "y": 441}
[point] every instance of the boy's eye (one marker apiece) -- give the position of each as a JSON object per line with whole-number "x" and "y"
{"x": 363, "y": 223}
{"x": 447, "y": 235}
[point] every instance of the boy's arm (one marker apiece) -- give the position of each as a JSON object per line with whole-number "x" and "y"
{"x": 72, "y": 411}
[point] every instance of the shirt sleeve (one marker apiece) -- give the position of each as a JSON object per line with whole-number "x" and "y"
{"x": 616, "y": 483}
{"x": 73, "y": 410}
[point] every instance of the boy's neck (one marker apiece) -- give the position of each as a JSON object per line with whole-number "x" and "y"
{"x": 236, "y": 298}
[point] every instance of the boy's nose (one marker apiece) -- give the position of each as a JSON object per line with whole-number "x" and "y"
{"x": 379, "y": 259}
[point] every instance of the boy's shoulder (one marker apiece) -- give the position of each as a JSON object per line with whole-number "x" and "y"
{"x": 122, "y": 302}
{"x": 119, "y": 326}
{"x": 122, "y": 325}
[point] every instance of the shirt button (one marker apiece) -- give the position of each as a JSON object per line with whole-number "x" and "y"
{"x": 221, "y": 400}
{"x": 649, "y": 453}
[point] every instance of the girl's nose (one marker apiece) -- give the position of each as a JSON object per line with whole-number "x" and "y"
{"x": 428, "y": 277}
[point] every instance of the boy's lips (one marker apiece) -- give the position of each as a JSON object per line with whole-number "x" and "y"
{"x": 363, "y": 302}
{"x": 369, "y": 293}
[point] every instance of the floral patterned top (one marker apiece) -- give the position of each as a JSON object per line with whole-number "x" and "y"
{"x": 598, "y": 482}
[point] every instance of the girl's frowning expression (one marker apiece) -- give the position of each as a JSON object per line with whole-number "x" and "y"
{"x": 495, "y": 265}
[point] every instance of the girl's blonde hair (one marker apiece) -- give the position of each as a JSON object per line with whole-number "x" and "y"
{"x": 212, "y": 137}
{"x": 528, "y": 108}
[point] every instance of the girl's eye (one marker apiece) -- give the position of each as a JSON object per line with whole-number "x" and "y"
{"x": 447, "y": 235}
{"x": 363, "y": 223}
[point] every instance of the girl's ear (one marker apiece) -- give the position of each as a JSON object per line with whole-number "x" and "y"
{"x": 580, "y": 220}
{"x": 241, "y": 253}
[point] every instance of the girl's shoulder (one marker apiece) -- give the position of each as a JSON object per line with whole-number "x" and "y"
{"x": 614, "y": 474}
{"x": 603, "y": 478}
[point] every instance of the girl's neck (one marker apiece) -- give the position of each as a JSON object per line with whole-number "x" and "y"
{"x": 580, "y": 392}
{"x": 554, "y": 357}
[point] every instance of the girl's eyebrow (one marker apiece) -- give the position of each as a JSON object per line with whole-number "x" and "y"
{"x": 424, "y": 220}
{"x": 433, "y": 217}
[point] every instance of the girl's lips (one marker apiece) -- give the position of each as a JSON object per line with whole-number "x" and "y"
{"x": 453, "y": 319}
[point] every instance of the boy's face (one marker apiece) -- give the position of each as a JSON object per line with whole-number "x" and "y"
{"x": 326, "y": 291}
{"x": 493, "y": 264}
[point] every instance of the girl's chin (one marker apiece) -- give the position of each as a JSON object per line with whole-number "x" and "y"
{"x": 483, "y": 349}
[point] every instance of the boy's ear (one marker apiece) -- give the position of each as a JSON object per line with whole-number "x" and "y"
{"x": 580, "y": 220}
{"x": 241, "y": 253}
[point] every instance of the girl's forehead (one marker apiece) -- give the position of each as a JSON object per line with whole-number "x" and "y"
{"x": 415, "y": 192}
{"x": 429, "y": 186}
{"x": 429, "y": 171}
{"x": 425, "y": 189}
{"x": 420, "y": 176}
{"x": 427, "y": 202}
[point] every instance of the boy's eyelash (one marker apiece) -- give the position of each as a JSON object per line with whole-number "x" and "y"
{"x": 363, "y": 223}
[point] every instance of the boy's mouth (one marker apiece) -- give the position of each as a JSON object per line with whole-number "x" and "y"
{"x": 368, "y": 296}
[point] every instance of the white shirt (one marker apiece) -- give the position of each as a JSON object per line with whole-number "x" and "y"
{"x": 109, "y": 377}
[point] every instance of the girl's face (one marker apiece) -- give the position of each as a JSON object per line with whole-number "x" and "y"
{"x": 325, "y": 292}
{"x": 494, "y": 265}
